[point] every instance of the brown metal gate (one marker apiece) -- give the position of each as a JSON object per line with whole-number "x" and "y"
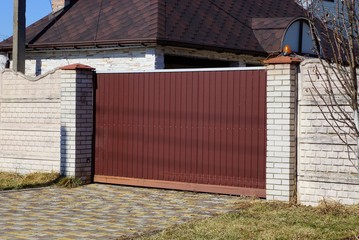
{"x": 200, "y": 131}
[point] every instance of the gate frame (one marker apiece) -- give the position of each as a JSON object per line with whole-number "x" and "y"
{"x": 171, "y": 184}
{"x": 188, "y": 70}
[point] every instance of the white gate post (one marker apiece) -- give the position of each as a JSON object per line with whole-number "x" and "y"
{"x": 281, "y": 128}
{"x": 77, "y": 121}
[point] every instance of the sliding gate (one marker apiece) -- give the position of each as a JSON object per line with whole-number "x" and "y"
{"x": 192, "y": 130}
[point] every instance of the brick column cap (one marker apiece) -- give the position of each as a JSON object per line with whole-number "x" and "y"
{"x": 77, "y": 66}
{"x": 283, "y": 60}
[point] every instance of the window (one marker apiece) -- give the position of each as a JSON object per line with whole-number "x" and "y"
{"x": 299, "y": 38}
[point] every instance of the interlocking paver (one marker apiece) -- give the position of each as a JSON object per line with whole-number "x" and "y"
{"x": 101, "y": 211}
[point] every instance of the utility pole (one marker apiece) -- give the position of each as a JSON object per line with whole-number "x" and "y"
{"x": 19, "y": 36}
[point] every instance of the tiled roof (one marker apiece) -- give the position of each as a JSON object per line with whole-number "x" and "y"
{"x": 270, "y": 31}
{"x": 241, "y": 26}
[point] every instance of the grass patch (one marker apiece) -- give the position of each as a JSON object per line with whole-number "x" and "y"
{"x": 11, "y": 181}
{"x": 15, "y": 181}
{"x": 70, "y": 182}
{"x": 255, "y": 219}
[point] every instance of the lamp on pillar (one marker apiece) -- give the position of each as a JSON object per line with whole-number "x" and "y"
{"x": 19, "y": 38}
{"x": 287, "y": 50}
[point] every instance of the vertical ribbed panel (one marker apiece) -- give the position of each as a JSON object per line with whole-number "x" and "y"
{"x": 195, "y": 127}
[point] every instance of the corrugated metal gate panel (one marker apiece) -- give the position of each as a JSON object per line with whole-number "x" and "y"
{"x": 184, "y": 128}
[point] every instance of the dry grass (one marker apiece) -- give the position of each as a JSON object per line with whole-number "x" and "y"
{"x": 255, "y": 219}
{"x": 9, "y": 181}
{"x": 15, "y": 181}
{"x": 70, "y": 182}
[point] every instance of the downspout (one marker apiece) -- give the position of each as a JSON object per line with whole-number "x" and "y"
{"x": 296, "y": 128}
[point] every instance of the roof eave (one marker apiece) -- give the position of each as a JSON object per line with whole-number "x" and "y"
{"x": 129, "y": 42}
{"x": 165, "y": 43}
{"x": 84, "y": 44}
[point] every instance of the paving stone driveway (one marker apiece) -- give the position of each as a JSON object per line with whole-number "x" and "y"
{"x": 101, "y": 211}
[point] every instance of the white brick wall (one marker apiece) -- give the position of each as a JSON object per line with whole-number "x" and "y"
{"x": 127, "y": 59}
{"x": 3, "y": 60}
{"x": 281, "y": 95}
{"x": 324, "y": 171}
{"x": 124, "y": 59}
{"x": 29, "y": 122}
{"x": 46, "y": 122}
{"x": 76, "y": 123}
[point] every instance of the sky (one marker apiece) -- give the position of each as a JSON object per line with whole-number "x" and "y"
{"x": 35, "y": 10}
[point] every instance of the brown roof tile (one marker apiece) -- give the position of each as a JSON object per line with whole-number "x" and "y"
{"x": 223, "y": 25}
{"x": 270, "y": 31}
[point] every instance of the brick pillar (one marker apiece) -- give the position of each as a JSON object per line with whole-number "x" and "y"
{"x": 281, "y": 128}
{"x": 77, "y": 121}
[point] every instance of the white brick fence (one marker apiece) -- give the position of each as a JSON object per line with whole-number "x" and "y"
{"x": 305, "y": 160}
{"x": 324, "y": 169}
{"x": 46, "y": 124}
{"x": 45, "y": 119}
{"x": 281, "y": 130}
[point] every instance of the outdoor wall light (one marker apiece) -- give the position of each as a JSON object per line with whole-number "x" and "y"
{"x": 286, "y": 50}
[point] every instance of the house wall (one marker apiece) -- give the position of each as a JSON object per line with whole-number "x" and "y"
{"x": 124, "y": 59}
{"x": 238, "y": 60}
{"x": 46, "y": 122}
{"x": 3, "y": 61}
{"x": 319, "y": 4}
{"x": 324, "y": 169}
